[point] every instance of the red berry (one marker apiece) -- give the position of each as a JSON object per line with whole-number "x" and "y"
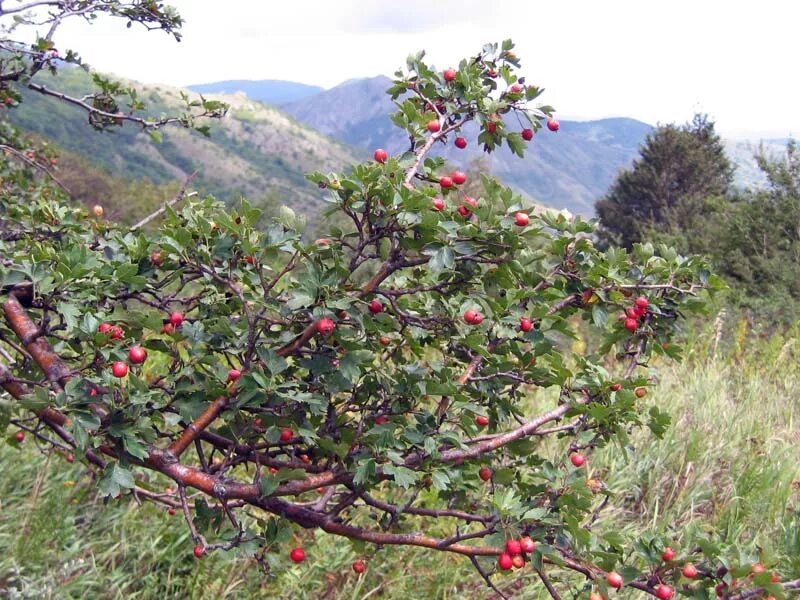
{"x": 614, "y": 579}
{"x": 521, "y": 219}
{"x": 381, "y": 419}
{"x": 577, "y": 459}
{"x": 478, "y": 319}
{"x": 119, "y": 369}
{"x": 171, "y": 512}
{"x": 481, "y": 421}
{"x": 492, "y": 73}
{"x": 639, "y": 312}
{"x": 20, "y": 436}
{"x": 156, "y": 259}
{"x": 325, "y": 326}
{"x": 615, "y": 387}
{"x": 596, "y": 596}
{"x": 104, "y": 328}
{"x": 381, "y": 155}
{"x": 525, "y": 324}
{"x": 234, "y": 374}
{"x": 434, "y": 126}
{"x": 137, "y": 355}
{"x": 199, "y": 551}
{"x": 642, "y": 302}
{"x": 116, "y": 332}
{"x": 491, "y": 127}
{"x": 485, "y": 473}
{"x": 632, "y": 313}
{"x": 375, "y": 307}
{"x": 516, "y": 88}
{"x": 176, "y": 319}
{"x": 473, "y": 202}
{"x": 469, "y": 316}
{"x": 70, "y": 458}
{"x": 631, "y": 325}
{"x": 250, "y": 260}
{"x": 438, "y": 204}
{"x": 168, "y": 328}
{"x": 518, "y": 561}
{"x": 640, "y": 392}
{"x": 359, "y": 566}
{"x": 322, "y": 242}
{"x": 449, "y": 74}
{"x": 664, "y": 592}
{"x": 552, "y": 125}
{"x": 297, "y": 555}
{"x": 464, "y": 211}
{"x": 668, "y": 554}
{"x": 775, "y": 578}
{"x": 527, "y": 544}
{"x": 458, "y": 177}
{"x": 513, "y": 547}
{"x": 286, "y": 434}
{"x": 384, "y": 340}
{"x": 505, "y": 562}
{"x": 759, "y": 568}
{"x": 446, "y": 182}
{"x": 689, "y": 571}
{"x": 461, "y": 143}
{"x": 527, "y": 134}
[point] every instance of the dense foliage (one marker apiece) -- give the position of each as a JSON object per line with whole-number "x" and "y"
{"x": 372, "y": 383}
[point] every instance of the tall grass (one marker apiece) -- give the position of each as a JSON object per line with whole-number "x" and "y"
{"x": 729, "y": 465}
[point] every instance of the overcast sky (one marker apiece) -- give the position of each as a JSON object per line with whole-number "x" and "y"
{"x": 654, "y": 60}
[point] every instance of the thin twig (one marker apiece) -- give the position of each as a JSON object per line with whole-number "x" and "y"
{"x": 174, "y": 200}
{"x": 486, "y": 577}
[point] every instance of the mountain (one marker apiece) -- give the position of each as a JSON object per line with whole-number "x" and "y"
{"x": 741, "y": 153}
{"x": 269, "y": 91}
{"x": 570, "y": 169}
{"x": 256, "y": 151}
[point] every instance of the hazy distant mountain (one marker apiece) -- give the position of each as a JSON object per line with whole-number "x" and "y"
{"x": 569, "y": 169}
{"x": 270, "y": 91}
{"x": 741, "y": 153}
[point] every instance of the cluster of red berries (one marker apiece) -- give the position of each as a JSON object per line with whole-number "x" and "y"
{"x": 635, "y": 312}
{"x": 175, "y": 320}
{"x": 472, "y": 317}
{"x": 514, "y": 556}
{"x": 455, "y": 178}
{"x": 137, "y": 355}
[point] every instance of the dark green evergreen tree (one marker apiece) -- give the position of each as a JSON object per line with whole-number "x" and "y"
{"x": 681, "y": 170}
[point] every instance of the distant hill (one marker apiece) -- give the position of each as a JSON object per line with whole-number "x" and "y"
{"x": 569, "y": 169}
{"x": 269, "y": 91}
{"x": 256, "y": 151}
{"x": 741, "y": 153}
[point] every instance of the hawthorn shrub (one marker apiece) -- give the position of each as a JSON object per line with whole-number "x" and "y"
{"x": 370, "y": 383}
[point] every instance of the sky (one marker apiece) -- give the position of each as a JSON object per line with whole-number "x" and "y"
{"x": 659, "y": 61}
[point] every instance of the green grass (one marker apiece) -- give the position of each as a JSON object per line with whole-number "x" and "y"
{"x": 729, "y": 464}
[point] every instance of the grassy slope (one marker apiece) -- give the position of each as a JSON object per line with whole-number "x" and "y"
{"x": 256, "y": 151}
{"x": 729, "y": 463}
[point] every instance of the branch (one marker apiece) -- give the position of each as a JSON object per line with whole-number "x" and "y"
{"x": 36, "y": 165}
{"x": 174, "y": 200}
{"x": 143, "y": 122}
{"x": 192, "y": 432}
{"x": 546, "y": 581}
{"x": 486, "y": 578}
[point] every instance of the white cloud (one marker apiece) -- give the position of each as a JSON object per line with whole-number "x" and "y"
{"x": 659, "y": 60}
